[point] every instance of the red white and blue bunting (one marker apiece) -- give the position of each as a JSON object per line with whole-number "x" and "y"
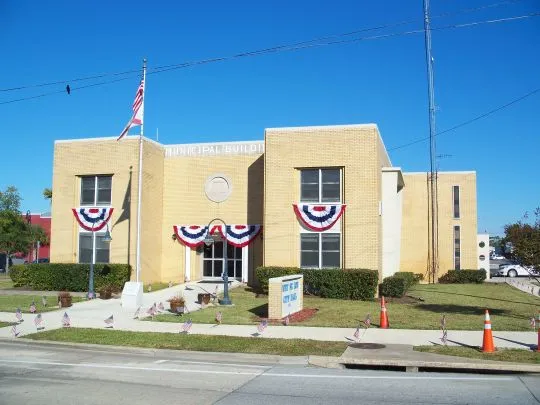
{"x": 237, "y": 235}
{"x": 93, "y": 219}
{"x": 319, "y": 217}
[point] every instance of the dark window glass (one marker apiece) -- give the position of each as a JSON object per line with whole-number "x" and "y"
{"x": 330, "y": 185}
{"x": 330, "y": 250}
{"x": 456, "y": 201}
{"x": 309, "y": 246}
{"x": 309, "y": 185}
{"x": 230, "y": 268}
{"x": 218, "y": 250}
{"x": 104, "y": 185}
{"x": 88, "y": 190}
{"x": 102, "y": 250}
{"x": 207, "y": 268}
{"x": 85, "y": 248}
{"x": 457, "y": 248}
{"x": 238, "y": 269}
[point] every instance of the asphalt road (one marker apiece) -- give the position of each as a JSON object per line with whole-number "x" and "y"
{"x": 61, "y": 375}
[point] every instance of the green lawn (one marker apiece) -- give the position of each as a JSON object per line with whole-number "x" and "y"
{"x": 5, "y": 282}
{"x": 157, "y": 286}
{"x": 292, "y": 347}
{"x": 463, "y": 304}
{"x": 10, "y": 303}
{"x": 513, "y": 355}
{"x": 4, "y": 324}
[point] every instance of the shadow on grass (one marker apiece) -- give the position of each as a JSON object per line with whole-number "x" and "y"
{"x": 465, "y": 345}
{"x": 530, "y": 346}
{"x": 459, "y": 309}
{"x": 472, "y": 296}
{"x": 261, "y": 311}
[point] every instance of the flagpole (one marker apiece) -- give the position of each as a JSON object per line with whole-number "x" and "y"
{"x": 139, "y": 188}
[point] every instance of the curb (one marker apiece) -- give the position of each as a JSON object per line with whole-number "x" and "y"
{"x": 161, "y": 353}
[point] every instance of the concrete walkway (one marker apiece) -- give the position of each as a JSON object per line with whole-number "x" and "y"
{"x": 527, "y": 286}
{"x": 91, "y": 314}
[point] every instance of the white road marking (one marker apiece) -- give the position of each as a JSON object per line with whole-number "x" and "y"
{"x": 168, "y": 370}
{"x": 160, "y": 361}
{"x": 213, "y": 363}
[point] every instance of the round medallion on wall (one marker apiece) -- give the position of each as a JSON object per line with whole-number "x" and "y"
{"x": 218, "y": 187}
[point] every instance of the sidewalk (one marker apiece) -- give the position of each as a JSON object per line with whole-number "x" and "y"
{"x": 91, "y": 314}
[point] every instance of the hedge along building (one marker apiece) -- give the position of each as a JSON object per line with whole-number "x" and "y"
{"x": 320, "y": 197}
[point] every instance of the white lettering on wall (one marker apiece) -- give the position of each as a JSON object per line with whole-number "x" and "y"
{"x": 217, "y": 149}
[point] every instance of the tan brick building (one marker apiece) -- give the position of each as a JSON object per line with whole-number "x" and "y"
{"x": 352, "y": 209}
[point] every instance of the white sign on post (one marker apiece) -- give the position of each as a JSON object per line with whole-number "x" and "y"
{"x": 285, "y": 295}
{"x": 132, "y": 295}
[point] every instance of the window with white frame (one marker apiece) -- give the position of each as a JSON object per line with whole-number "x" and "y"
{"x": 213, "y": 260}
{"x": 96, "y": 190}
{"x": 92, "y": 245}
{"x": 320, "y": 250}
{"x": 320, "y": 185}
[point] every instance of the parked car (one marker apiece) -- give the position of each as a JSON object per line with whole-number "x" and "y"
{"x": 514, "y": 270}
{"x": 497, "y": 257}
{"x": 42, "y": 260}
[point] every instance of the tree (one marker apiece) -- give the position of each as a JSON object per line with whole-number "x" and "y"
{"x": 524, "y": 237}
{"x": 47, "y": 193}
{"x": 15, "y": 234}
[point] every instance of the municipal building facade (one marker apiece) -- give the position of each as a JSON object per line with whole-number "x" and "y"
{"x": 317, "y": 197}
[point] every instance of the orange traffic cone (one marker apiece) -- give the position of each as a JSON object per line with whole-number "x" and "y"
{"x": 383, "y": 324}
{"x": 487, "y": 345}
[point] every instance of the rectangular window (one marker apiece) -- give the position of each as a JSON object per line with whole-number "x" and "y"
{"x": 320, "y": 250}
{"x": 91, "y": 244}
{"x": 213, "y": 260}
{"x": 457, "y": 248}
{"x": 320, "y": 185}
{"x": 96, "y": 190}
{"x": 455, "y": 197}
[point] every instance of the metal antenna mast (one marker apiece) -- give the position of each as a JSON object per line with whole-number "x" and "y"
{"x": 433, "y": 265}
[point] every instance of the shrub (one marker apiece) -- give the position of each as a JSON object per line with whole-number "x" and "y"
{"x": 69, "y": 276}
{"x": 354, "y": 284}
{"x": 394, "y": 286}
{"x": 463, "y": 277}
{"x": 418, "y": 277}
{"x": 409, "y": 278}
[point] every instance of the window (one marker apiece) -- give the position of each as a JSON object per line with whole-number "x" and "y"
{"x": 320, "y": 250}
{"x": 455, "y": 197}
{"x": 457, "y": 248}
{"x": 320, "y": 185}
{"x": 213, "y": 260}
{"x": 92, "y": 245}
{"x": 96, "y": 190}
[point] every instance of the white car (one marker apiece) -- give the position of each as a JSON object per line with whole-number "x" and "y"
{"x": 514, "y": 270}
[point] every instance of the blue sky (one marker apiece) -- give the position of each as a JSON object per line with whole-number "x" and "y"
{"x": 382, "y": 81}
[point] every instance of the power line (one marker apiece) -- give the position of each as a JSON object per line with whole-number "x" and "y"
{"x": 283, "y": 48}
{"x": 477, "y": 118}
{"x": 157, "y": 69}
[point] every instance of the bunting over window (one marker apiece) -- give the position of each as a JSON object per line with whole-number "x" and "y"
{"x": 237, "y": 235}
{"x": 318, "y": 217}
{"x": 92, "y": 219}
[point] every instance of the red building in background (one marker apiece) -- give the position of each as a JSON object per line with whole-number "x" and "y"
{"x": 43, "y": 220}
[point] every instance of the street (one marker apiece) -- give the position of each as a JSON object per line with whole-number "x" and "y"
{"x": 64, "y": 375}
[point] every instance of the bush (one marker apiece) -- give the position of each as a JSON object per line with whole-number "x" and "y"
{"x": 394, "y": 286}
{"x": 409, "y": 277}
{"x": 354, "y": 284}
{"x": 463, "y": 277}
{"x": 69, "y": 276}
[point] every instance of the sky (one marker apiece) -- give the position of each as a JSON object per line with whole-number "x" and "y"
{"x": 373, "y": 80}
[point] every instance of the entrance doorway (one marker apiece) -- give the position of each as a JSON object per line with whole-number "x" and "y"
{"x": 213, "y": 261}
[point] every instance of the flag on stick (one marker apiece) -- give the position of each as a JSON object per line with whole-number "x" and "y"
{"x": 66, "y": 322}
{"x": 186, "y": 327}
{"x": 356, "y": 333}
{"x": 18, "y": 315}
{"x": 219, "y": 317}
{"x": 44, "y": 301}
{"x": 14, "y": 331}
{"x": 138, "y": 111}
{"x": 109, "y": 322}
{"x": 286, "y": 321}
{"x": 367, "y": 321}
{"x": 532, "y": 322}
{"x": 444, "y": 337}
{"x": 262, "y": 326}
{"x": 38, "y": 320}
{"x": 161, "y": 308}
{"x": 136, "y": 314}
{"x": 33, "y": 307}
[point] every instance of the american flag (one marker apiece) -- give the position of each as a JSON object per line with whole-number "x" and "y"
{"x": 109, "y": 321}
{"x": 44, "y": 301}
{"x": 151, "y": 311}
{"x": 356, "y": 333}
{"x": 18, "y": 314}
{"x": 444, "y": 337}
{"x": 367, "y": 321}
{"x": 161, "y": 307}
{"x": 216, "y": 290}
{"x": 170, "y": 284}
{"x": 443, "y": 322}
{"x": 136, "y": 314}
{"x": 14, "y": 331}
{"x": 66, "y": 322}
{"x": 262, "y": 326}
{"x": 186, "y": 327}
{"x": 33, "y": 307}
{"x": 138, "y": 111}
{"x": 219, "y": 317}
{"x": 37, "y": 320}
{"x": 532, "y": 322}
{"x": 286, "y": 321}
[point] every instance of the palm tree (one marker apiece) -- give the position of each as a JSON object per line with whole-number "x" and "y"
{"x": 47, "y": 193}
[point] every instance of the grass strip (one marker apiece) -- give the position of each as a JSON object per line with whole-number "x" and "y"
{"x": 510, "y": 355}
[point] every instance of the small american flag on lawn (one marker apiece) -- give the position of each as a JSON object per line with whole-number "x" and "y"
{"x": 33, "y": 307}
{"x": 14, "y": 331}
{"x": 444, "y": 337}
{"x": 356, "y": 333}
{"x": 262, "y": 326}
{"x": 151, "y": 311}
{"x": 38, "y": 320}
{"x": 109, "y": 321}
{"x": 214, "y": 296}
{"x": 532, "y": 322}
{"x": 66, "y": 322}
{"x": 44, "y": 301}
{"x": 136, "y": 314}
{"x": 161, "y": 307}
{"x": 286, "y": 321}
{"x": 367, "y": 321}
{"x": 18, "y": 314}
{"x": 186, "y": 327}
{"x": 219, "y": 317}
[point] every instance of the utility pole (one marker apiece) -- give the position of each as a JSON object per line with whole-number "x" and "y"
{"x": 433, "y": 265}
